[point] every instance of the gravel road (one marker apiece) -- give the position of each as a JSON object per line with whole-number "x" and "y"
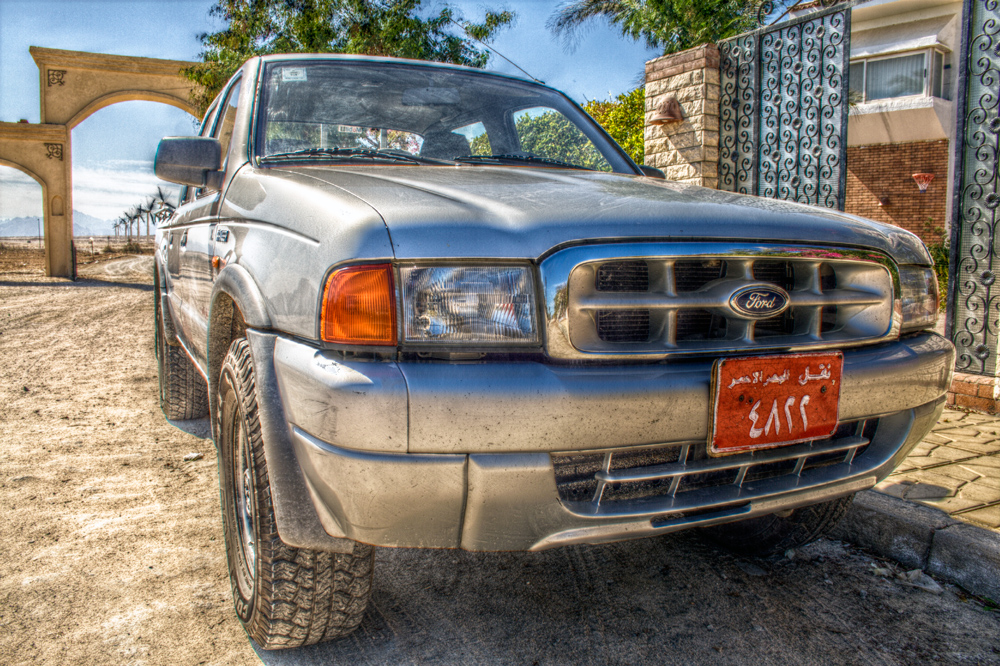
{"x": 112, "y": 546}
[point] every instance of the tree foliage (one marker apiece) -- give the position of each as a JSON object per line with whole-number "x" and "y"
{"x": 369, "y": 27}
{"x": 673, "y": 25}
{"x": 624, "y": 119}
{"x": 553, "y": 136}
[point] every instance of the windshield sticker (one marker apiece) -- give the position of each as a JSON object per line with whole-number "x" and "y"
{"x": 293, "y": 74}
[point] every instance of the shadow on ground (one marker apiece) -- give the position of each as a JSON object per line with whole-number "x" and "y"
{"x": 668, "y": 600}
{"x": 197, "y": 427}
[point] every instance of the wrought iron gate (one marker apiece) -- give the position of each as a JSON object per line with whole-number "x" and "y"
{"x": 974, "y": 303}
{"x": 783, "y": 109}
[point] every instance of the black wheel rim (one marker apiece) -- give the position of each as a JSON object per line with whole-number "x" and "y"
{"x": 244, "y": 508}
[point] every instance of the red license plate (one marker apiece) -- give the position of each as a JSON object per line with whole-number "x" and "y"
{"x": 761, "y": 402}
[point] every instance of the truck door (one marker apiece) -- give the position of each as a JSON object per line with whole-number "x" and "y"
{"x": 196, "y": 277}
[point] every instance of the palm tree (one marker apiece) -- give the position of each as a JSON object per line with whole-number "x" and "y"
{"x": 133, "y": 218}
{"x": 673, "y": 25}
{"x": 148, "y": 212}
{"x": 162, "y": 207}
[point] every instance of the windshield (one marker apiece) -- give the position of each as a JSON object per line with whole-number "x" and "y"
{"x": 349, "y": 111}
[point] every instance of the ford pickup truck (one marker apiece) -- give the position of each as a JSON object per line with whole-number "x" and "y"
{"x": 428, "y": 306}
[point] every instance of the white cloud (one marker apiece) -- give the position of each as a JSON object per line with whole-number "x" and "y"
{"x": 109, "y": 190}
{"x": 20, "y": 195}
{"x": 104, "y": 191}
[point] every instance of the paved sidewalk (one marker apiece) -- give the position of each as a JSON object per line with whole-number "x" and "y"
{"x": 955, "y": 469}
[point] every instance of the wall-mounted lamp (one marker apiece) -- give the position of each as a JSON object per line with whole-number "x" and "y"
{"x": 669, "y": 112}
{"x": 883, "y": 201}
{"x": 923, "y": 180}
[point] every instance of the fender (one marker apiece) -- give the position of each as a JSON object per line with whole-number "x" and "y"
{"x": 294, "y": 513}
{"x": 239, "y": 285}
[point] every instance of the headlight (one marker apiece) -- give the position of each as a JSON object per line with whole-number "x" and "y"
{"x": 919, "y": 295}
{"x": 468, "y": 304}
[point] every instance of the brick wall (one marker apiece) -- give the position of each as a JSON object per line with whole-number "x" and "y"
{"x": 687, "y": 151}
{"x": 886, "y": 170}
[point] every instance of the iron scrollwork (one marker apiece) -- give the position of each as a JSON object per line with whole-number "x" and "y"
{"x": 975, "y": 297}
{"x": 54, "y": 151}
{"x": 783, "y": 110}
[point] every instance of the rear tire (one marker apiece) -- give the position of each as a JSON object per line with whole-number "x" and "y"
{"x": 183, "y": 393}
{"x": 284, "y": 596}
{"x": 774, "y": 534}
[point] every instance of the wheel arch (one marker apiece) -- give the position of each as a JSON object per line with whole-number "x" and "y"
{"x": 236, "y": 305}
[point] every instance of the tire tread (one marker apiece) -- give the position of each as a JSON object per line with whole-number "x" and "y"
{"x": 303, "y": 596}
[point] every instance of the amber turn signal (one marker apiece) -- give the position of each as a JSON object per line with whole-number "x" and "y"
{"x": 359, "y": 306}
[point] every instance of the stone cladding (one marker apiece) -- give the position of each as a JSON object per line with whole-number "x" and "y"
{"x": 686, "y": 151}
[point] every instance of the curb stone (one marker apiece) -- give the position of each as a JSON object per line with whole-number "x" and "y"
{"x": 920, "y": 537}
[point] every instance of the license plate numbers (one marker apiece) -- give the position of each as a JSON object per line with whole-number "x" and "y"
{"x": 763, "y": 402}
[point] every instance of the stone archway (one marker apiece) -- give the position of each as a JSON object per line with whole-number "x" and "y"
{"x": 74, "y": 85}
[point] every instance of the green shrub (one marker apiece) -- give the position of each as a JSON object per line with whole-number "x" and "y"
{"x": 941, "y": 254}
{"x": 624, "y": 118}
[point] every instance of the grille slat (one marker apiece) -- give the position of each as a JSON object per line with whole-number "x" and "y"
{"x": 692, "y": 275}
{"x": 623, "y": 276}
{"x": 623, "y": 325}
{"x": 606, "y": 478}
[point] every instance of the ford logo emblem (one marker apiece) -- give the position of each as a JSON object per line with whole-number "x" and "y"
{"x": 759, "y": 301}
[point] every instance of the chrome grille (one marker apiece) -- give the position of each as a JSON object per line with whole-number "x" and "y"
{"x": 601, "y": 482}
{"x": 662, "y": 304}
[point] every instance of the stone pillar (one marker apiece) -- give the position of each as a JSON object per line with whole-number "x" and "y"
{"x": 43, "y": 152}
{"x": 687, "y": 150}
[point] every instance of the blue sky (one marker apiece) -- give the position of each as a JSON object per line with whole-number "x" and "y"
{"x": 113, "y": 149}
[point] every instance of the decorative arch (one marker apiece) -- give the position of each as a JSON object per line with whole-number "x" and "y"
{"x": 130, "y": 96}
{"x": 74, "y": 85}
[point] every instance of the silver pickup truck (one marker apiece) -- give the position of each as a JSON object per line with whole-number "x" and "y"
{"x": 428, "y": 306}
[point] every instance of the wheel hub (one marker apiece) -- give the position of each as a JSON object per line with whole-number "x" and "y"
{"x": 245, "y": 507}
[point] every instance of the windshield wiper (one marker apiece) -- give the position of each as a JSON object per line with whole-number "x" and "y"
{"x": 506, "y": 159}
{"x": 348, "y": 153}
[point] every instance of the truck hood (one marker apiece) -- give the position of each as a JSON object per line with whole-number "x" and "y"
{"x": 516, "y": 212}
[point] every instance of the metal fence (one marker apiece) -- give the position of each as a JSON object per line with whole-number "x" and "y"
{"x": 783, "y": 109}
{"x": 974, "y": 316}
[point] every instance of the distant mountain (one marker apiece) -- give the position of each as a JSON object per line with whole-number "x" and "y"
{"x": 83, "y": 225}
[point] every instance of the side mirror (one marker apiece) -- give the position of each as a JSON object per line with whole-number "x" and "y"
{"x": 189, "y": 160}
{"x": 652, "y": 172}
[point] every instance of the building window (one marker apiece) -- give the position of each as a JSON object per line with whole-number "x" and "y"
{"x": 902, "y": 75}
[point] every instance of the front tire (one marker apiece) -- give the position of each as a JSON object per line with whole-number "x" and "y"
{"x": 775, "y": 533}
{"x": 284, "y": 596}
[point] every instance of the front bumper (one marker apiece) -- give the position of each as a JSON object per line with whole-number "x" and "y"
{"x": 459, "y": 455}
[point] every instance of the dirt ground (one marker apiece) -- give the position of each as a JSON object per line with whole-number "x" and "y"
{"x": 112, "y": 552}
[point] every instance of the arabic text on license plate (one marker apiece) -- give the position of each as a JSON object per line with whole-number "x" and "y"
{"x": 767, "y": 401}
